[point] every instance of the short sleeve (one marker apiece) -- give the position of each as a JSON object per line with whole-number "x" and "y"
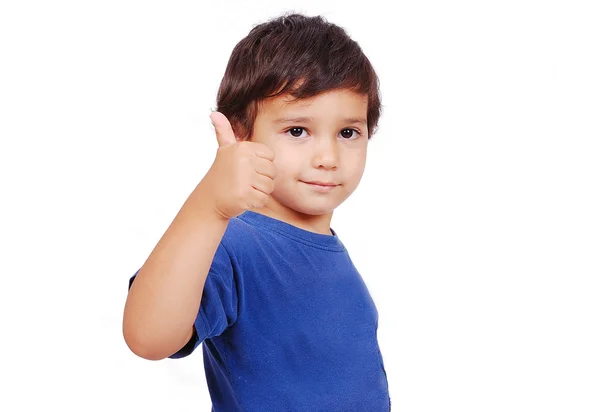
{"x": 219, "y": 303}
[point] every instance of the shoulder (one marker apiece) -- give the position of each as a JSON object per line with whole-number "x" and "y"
{"x": 240, "y": 237}
{"x": 238, "y": 231}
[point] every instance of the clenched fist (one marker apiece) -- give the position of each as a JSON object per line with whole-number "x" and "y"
{"x": 242, "y": 175}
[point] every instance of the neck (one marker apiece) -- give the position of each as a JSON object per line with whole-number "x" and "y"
{"x": 312, "y": 223}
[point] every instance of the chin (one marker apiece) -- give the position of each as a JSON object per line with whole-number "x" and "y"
{"x": 316, "y": 212}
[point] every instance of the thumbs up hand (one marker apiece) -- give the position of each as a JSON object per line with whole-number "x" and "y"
{"x": 242, "y": 175}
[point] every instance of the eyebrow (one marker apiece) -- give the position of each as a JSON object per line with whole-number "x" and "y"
{"x": 350, "y": 120}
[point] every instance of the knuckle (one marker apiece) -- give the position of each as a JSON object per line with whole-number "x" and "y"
{"x": 245, "y": 145}
{"x": 263, "y": 198}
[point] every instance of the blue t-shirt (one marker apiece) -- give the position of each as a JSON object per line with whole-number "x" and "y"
{"x": 287, "y": 324}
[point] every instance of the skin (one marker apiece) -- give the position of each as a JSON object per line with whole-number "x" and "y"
{"x": 322, "y": 149}
{"x": 265, "y": 175}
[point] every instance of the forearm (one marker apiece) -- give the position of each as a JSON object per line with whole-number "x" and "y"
{"x": 164, "y": 299}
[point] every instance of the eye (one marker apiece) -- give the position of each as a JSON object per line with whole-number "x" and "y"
{"x": 351, "y": 136}
{"x": 347, "y": 134}
{"x": 296, "y": 132}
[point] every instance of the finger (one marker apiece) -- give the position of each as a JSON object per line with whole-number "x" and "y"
{"x": 259, "y": 199}
{"x": 223, "y": 129}
{"x": 263, "y": 183}
{"x": 264, "y": 167}
{"x": 264, "y": 151}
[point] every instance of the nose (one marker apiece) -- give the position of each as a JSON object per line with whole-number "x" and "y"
{"x": 326, "y": 153}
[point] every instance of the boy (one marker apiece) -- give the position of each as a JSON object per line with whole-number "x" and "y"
{"x": 250, "y": 266}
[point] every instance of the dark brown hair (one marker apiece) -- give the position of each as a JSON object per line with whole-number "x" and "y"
{"x": 294, "y": 54}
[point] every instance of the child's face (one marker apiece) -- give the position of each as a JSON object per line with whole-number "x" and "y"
{"x": 322, "y": 148}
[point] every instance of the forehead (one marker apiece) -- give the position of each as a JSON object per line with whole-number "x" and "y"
{"x": 331, "y": 103}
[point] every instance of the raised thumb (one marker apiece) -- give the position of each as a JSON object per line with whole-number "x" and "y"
{"x": 223, "y": 129}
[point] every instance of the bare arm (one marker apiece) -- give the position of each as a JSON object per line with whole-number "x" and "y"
{"x": 164, "y": 299}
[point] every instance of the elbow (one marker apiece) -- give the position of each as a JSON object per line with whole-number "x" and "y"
{"x": 149, "y": 341}
{"x": 141, "y": 346}
{"x": 143, "y": 350}
{"x": 146, "y": 353}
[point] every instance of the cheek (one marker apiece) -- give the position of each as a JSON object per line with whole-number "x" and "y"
{"x": 356, "y": 164}
{"x": 287, "y": 165}
{"x": 283, "y": 179}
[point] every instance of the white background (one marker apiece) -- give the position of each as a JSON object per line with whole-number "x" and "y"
{"x": 476, "y": 226}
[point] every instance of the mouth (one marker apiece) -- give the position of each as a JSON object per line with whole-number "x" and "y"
{"x": 320, "y": 183}
{"x": 321, "y": 186}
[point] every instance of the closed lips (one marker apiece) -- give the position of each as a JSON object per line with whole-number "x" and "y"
{"x": 322, "y": 183}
